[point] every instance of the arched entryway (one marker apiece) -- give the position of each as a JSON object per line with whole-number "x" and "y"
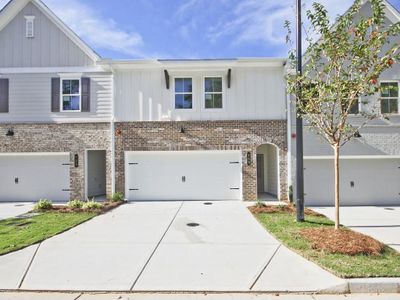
{"x": 268, "y": 186}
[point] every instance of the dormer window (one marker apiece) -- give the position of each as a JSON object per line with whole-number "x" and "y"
{"x": 30, "y": 29}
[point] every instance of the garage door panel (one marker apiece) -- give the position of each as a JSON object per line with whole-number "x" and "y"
{"x": 185, "y": 175}
{"x": 362, "y": 182}
{"x": 29, "y": 177}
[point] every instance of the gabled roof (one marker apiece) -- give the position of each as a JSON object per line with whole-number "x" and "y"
{"x": 391, "y": 12}
{"x": 13, "y": 7}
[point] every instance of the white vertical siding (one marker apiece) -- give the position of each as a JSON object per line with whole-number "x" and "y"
{"x": 30, "y": 100}
{"x": 255, "y": 93}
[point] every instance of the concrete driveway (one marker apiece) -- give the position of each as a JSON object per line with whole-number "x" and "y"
{"x": 14, "y": 209}
{"x": 380, "y": 222}
{"x": 150, "y": 247}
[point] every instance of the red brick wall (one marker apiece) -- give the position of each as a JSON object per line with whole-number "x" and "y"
{"x": 205, "y": 135}
{"x": 73, "y": 138}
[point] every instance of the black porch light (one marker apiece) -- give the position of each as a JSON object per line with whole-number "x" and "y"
{"x": 10, "y": 132}
{"x": 249, "y": 159}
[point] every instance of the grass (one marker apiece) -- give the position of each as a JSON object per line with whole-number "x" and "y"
{"x": 17, "y": 233}
{"x": 283, "y": 226}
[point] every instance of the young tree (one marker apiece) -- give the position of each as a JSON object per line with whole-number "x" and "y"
{"x": 342, "y": 65}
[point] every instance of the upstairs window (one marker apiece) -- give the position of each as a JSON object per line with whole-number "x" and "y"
{"x": 29, "y": 26}
{"x": 71, "y": 95}
{"x": 183, "y": 93}
{"x": 389, "y": 97}
{"x": 213, "y": 92}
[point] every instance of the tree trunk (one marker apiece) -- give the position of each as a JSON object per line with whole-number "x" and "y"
{"x": 337, "y": 187}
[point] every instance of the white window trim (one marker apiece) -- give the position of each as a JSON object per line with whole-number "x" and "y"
{"x": 398, "y": 96}
{"x": 29, "y": 19}
{"x": 61, "y": 95}
{"x": 178, "y": 93}
{"x": 203, "y": 105}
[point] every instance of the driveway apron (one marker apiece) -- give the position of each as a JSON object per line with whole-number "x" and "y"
{"x": 164, "y": 246}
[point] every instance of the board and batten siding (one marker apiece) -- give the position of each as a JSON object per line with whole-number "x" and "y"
{"x": 30, "y": 100}
{"x": 49, "y": 47}
{"x": 255, "y": 93}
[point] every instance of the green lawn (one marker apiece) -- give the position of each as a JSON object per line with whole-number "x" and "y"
{"x": 18, "y": 233}
{"x": 283, "y": 226}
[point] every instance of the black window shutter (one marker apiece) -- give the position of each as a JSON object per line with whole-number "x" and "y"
{"x": 4, "y": 95}
{"x": 55, "y": 94}
{"x": 85, "y": 82}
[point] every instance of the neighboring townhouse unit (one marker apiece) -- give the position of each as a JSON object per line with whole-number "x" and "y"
{"x": 73, "y": 125}
{"x": 370, "y": 163}
{"x": 55, "y": 107}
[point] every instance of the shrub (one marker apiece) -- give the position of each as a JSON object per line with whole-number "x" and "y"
{"x": 92, "y": 205}
{"x": 116, "y": 197}
{"x": 260, "y": 204}
{"x": 75, "y": 204}
{"x": 43, "y": 204}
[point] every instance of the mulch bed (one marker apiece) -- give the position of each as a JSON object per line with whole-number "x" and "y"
{"x": 268, "y": 209}
{"x": 342, "y": 241}
{"x": 107, "y": 206}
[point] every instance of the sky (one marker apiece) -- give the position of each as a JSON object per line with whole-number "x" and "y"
{"x": 187, "y": 29}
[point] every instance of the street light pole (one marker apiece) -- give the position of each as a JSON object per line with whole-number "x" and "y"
{"x": 299, "y": 127}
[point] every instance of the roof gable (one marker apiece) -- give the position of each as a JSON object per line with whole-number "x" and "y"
{"x": 12, "y": 9}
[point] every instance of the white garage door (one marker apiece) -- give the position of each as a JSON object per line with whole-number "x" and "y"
{"x": 183, "y": 175}
{"x": 30, "y": 177}
{"x": 363, "y": 182}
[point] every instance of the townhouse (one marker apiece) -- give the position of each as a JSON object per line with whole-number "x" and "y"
{"x": 73, "y": 125}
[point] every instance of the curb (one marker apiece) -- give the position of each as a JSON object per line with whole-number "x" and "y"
{"x": 365, "y": 286}
{"x": 374, "y": 285}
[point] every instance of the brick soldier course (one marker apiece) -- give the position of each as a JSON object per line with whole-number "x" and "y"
{"x": 72, "y": 138}
{"x": 205, "y": 135}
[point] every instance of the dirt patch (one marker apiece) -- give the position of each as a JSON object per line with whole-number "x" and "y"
{"x": 268, "y": 209}
{"x": 342, "y": 241}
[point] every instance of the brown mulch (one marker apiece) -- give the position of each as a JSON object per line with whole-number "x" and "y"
{"x": 268, "y": 209}
{"x": 107, "y": 206}
{"x": 342, "y": 241}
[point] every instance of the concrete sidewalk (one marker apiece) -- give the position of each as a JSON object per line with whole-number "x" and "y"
{"x": 10, "y": 210}
{"x": 147, "y": 296}
{"x": 380, "y": 222}
{"x": 150, "y": 247}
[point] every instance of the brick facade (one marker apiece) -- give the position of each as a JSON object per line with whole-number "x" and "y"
{"x": 205, "y": 135}
{"x": 72, "y": 138}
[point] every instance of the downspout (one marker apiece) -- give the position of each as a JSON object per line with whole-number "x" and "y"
{"x": 112, "y": 128}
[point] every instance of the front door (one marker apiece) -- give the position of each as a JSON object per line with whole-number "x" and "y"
{"x": 260, "y": 173}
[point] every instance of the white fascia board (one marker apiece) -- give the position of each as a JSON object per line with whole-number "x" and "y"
{"x": 34, "y": 153}
{"x": 68, "y": 31}
{"x": 8, "y": 13}
{"x": 322, "y": 157}
{"x": 56, "y": 70}
{"x": 78, "y": 120}
{"x": 11, "y": 10}
{"x": 195, "y": 64}
{"x": 391, "y": 12}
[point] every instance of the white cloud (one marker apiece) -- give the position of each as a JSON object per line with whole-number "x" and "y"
{"x": 97, "y": 30}
{"x": 262, "y": 21}
{"x": 190, "y": 4}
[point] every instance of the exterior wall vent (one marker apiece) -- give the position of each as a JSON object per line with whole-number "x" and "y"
{"x": 29, "y": 28}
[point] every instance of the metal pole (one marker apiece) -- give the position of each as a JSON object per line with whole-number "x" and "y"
{"x": 299, "y": 127}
